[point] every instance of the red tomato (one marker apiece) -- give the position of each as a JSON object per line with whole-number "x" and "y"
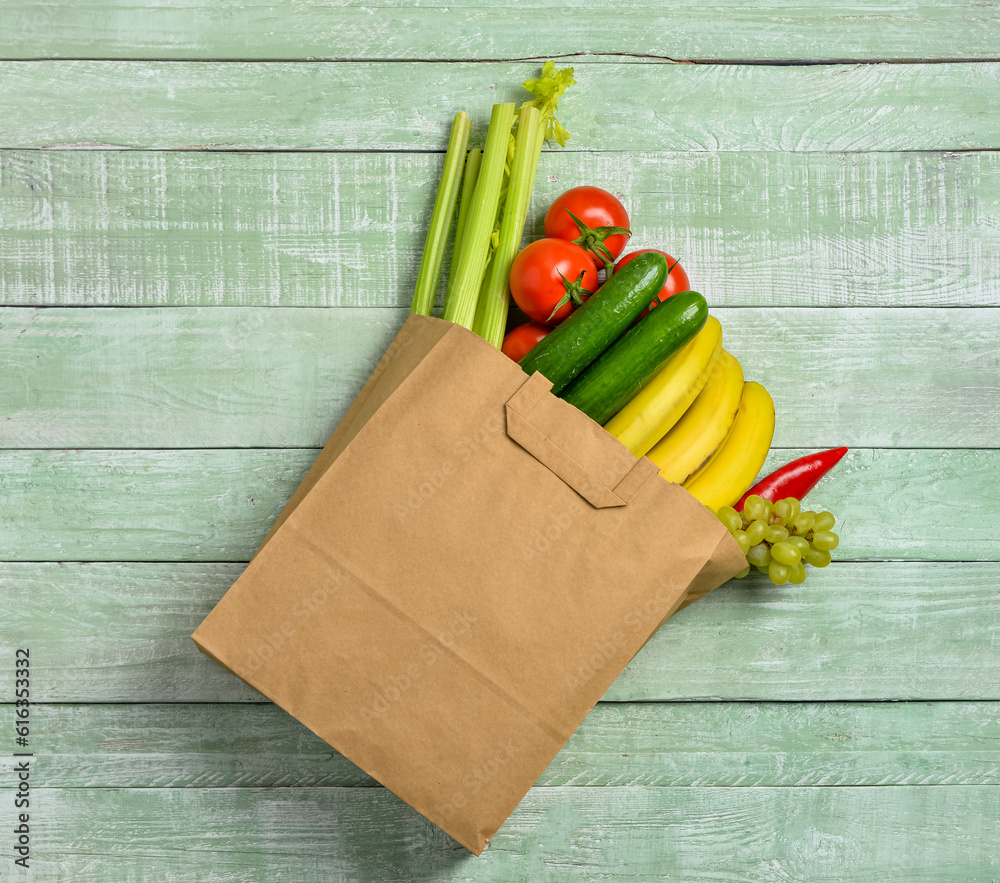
{"x": 550, "y": 277}
{"x": 521, "y": 340}
{"x": 677, "y": 279}
{"x": 603, "y": 229}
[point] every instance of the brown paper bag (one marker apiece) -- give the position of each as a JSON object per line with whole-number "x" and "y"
{"x": 460, "y": 577}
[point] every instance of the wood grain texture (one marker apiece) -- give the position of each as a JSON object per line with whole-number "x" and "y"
{"x": 260, "y": 29}
{"x": 189, "y": 377}
{"x": 143, "y": 505}
{"x": 259, "y": 377}
{"x": 93, "y": 228}
{"x": 409, "y": 106}
{"x": 722, "y": 835}
{"x": 795, "y": 169}
{"x": 655, "y": 745}
{"x": 217, "y": 505}
{"x": 891, "y": 630}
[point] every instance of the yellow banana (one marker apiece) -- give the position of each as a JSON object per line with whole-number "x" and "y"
{"x": 661, "y": 402}
{"x": 697, "y": 474}
{"x": 732, "y": 470}
{"x": 705, "y": 425}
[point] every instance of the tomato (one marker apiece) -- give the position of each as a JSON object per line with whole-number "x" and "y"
{"x": 600, "y": 226}
{"x": 677, "y": 279}
{"x": 550, "y": 278}
{"x": 521, "y": 340}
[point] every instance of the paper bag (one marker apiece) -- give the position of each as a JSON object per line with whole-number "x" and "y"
{"x": 462, "y": 574}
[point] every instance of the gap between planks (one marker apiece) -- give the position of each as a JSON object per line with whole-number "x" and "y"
{"x": 591, "y": 59}
{"x": 704, "y": 700}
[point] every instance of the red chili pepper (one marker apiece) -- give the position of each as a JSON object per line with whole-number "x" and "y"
{"x": 795, "y": 479}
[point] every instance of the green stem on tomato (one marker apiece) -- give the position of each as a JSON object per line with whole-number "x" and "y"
{"x": 444, "y": 210}
{"x": 592, "y": 239}
{"x": 462, "y": 296}
{"x": 491, "y": 315}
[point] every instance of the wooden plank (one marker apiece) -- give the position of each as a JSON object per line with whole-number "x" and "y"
{"x": 646, "y": 744}
{"x": 491, "y": 29}
{"x": 143, "y": 505}
{"x": 121, "y": 633}
{"x": 88, "y": 228}
{"x": 234, "y": 377}
{"x": 870, "y": 640}
{"x": 393, "y": 106}
{"x": 722, "y": 835}
{"x": 217, "y": 505}
{"x": 185, "y": 377}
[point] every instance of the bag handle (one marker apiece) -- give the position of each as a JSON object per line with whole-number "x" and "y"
{"x": 533, "y": 412}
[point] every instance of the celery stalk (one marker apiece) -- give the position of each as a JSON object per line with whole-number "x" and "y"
{"x": 472, "y": 163}
{"x": 461, "y": 298}
{"x": 491, "y": 313}
{"x": 444, "y": 210}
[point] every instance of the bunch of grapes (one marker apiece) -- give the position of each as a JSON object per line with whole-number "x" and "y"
{"x": 779, "y": 539}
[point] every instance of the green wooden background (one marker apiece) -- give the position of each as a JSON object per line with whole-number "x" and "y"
{"x": 211, "y": 214}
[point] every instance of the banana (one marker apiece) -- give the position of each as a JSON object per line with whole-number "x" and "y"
{"x": 705, "y": 425}
{"x": 661, "y": 402}
{"x": 732, "y": 470}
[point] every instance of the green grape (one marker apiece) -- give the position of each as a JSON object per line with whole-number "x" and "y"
{"x": 741, "y": 538}
{"x": 730, "y": 518}
{"x": 759, "y": 555}
{"x": 743, "y": 572}
{"x": 797, "y": 574}
{"x": 817, "y": 558}
{"x": 755, "y": 532}
{"x": 785, "y": 553}
{"x": 762, "y": 568}
{"x": 825, "y": 540}
{"x": 778, "y": 572}
{"x": 768, "y": 509}
{"x": 800, "y": 543}
{"x": 754, "y": 507}
{"x": 803, "y": 523}
{"x": 824, "y": 521}
{"x": 744, "y": 519}
{"x": 781, "y": 512}
{"x": 775, "y": 533}
{"x": 794, "y": 507}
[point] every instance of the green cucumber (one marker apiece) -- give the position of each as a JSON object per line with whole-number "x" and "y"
{"x": 591, "y": 328}
{"x": 610, "y": 381}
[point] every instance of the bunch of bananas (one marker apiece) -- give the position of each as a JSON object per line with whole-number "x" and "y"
{"x": 700, "y": 422}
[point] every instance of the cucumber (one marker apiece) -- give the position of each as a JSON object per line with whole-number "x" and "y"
{"x": 610, "y": 381}
{"x": 591, "y": 328}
